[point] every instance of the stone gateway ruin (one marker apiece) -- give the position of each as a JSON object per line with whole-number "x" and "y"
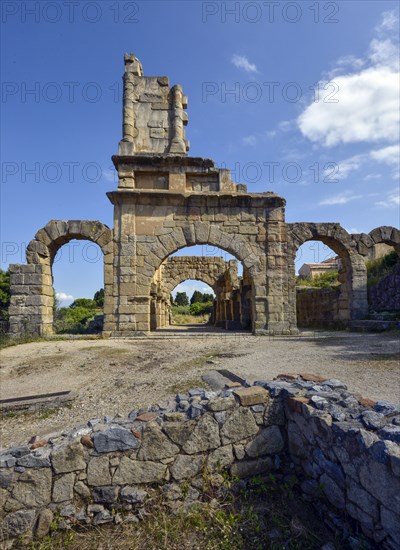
{"x": 167, "y": 200}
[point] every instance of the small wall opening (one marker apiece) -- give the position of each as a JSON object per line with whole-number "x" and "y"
{"x": 78, "y": 283}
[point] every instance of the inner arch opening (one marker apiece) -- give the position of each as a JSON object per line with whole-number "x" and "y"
{"x": 229, "y": 283}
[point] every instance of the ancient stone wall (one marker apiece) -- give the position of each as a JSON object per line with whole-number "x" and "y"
{"x": 344, "y": 449}
{"x": 166, "y": 201}
{"x": 318, "y": 307}
{"x": 385, "y": 295}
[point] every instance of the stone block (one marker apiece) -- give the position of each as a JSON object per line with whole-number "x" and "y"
{"x": 63, "y": 488}
{"x": 98, "y": 471}
{"x": 130, "y": 472}
{"x": 252, "y": 396}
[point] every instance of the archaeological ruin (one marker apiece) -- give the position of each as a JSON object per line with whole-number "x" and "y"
{"x": 166, "y": 201}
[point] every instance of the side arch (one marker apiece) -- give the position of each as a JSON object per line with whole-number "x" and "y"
{"x": 384, "y": 234}
{"x": 353, "y": 301}
{"x": 31, "y": 308}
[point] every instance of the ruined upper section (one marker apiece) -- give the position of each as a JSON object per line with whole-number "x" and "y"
{"x": 153, "y": 113}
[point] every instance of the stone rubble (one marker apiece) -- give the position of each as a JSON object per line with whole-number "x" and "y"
{"x": 341, "y": 445}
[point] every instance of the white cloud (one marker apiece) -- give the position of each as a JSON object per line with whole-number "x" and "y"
{"x": 390, "y": 21}
{"x": 391, "y": 199}
{"x": 340, "y": 198}
{"x": 372, "y": 177}
{"x": 241, "y": 62}
{"x": 250, "y": 140}
{"x": 366, "y": 110}
{"x": 63, "y": 297}
{"x": 388, "y": 155}
{"x": 362, "y": 103}
{"x": 345, "y": 167}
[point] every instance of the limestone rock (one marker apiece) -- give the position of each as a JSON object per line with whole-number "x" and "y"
{"x": 332, "y": 492}
{"x": 33, "y": 488}
{"x": 155, "y": 444}
{"x": 239, "y": 425}
{"x": 63, "y": 489}
{"x": 43, "y": 523}
{"x": 248, "y": 468}
{"x": 135, "y": 471}
{"x": 204, "y": 436}
{"x": 98, "y": 471}
{"x": 178, "y": 432}
{"x": 186, "y": 466}
{"x": 221, "y": 404}
{"x": 220, "y": 458}
{"x": 268, "y": 441}
{"x": 82, "y": 490}
{"x": 68, "y": 458}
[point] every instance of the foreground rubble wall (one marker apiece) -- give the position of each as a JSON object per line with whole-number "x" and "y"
{"x": 343, "y": 448}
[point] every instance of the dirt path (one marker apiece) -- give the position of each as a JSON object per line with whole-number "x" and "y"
{"x": 115, "y": 376}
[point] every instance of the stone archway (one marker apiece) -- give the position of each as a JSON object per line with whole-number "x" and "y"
{"x": 353, "y": 302}
{"x": 364, "y": 242}
{"x": 163, "y": 225}
{"x": 32, "y": 294}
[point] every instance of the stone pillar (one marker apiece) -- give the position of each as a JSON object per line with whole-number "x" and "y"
{"x": 32, "y": 300}
{"x": 133, "y": 69}
{"x": 178, "y": 144}
{"x": 275, "y": 293}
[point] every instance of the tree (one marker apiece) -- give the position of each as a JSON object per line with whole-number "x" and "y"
{"x": 197, "y": 297}
{"x": 86, "y": 303}
{"x": 181, "y": 299}
{"x": 4, "y": 298}
{"x": 207, "y": 298}
{"x": 99, "y": 297}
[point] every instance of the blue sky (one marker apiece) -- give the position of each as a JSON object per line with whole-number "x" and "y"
{"x": 299, "y": 98}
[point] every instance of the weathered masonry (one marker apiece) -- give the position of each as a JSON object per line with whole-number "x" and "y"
{"x": 167, "y": 200}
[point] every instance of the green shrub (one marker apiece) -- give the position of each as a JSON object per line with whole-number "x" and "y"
{"x": 201, "y": 308}
{"x": 379, "y": 268}
{"x": 329, "y": 279}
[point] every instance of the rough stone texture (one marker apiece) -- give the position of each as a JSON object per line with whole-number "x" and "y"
{"x": 186, "y": 467}
{"x": 239, "y": 425}
{"x": 156, "y": 445}
{"x": 98, "y": 471}
{"x": 43, "y": 523}
{"x": 115, "y": 438}
{"x": 133, "y": 471}
{"x": 385, "y": 295}
{"x": 252, "y": 396}
{"x": 68, "y": 458}
{"x": 268, "y": 441}
{"x": 63, "y": 488}
{"x": 205, "y": 436}
{"x": 33, "y": 488}
{"x": 353, "y": 461}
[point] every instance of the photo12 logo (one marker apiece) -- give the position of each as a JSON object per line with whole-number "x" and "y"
{"x": 69, "y": 11}
{"x": 267, "y": 92}
{"x": 268, "y": 12}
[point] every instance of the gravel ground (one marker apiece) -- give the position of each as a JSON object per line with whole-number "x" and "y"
{"x": 115, "y": 376}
